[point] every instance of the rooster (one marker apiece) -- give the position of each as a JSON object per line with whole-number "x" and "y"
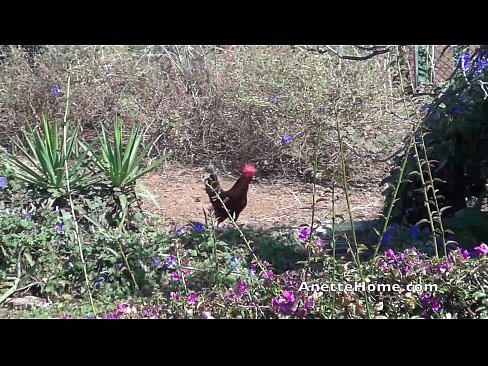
{"x": 235, "y": 199}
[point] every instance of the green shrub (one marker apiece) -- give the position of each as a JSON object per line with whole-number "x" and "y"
{"x": 453, "y": 135}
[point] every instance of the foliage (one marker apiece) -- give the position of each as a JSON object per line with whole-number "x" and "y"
{"x": 154, "y": 274}
{"x": 453, "y": 136}
{"x": 42, "y": 165}
{"x": 121, "y": 165}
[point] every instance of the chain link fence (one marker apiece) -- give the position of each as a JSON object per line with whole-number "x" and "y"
{"x": 433, "y": 65}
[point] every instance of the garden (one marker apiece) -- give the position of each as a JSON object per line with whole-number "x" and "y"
{"x": 250, "y": 182}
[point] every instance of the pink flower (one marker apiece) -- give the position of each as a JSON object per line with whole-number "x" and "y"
{"x": 443, "y": 267}
{"x": 288, "y": 295}
{"x": 464, "y": 253}
{"x": 121, "y": 308}
{"x": 390, "y": 254}
{"x": 383, "y": 264}
{"x": 241, "y": 287}
{"x": 436, "y": 305}
{"x": 482, "y": 249}
{"x": 174, "y": 276}
{"x": 174, "y": 295}
{"x": 192, "y": 298}
{"x": 304, "y": 233}
{"x": 319, "y": 242}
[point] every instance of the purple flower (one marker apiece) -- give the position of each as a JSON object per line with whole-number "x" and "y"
{"x": 275, "y": 303}
{"x": 99, "y": 281}
{"x": 56, "y": 90}
{"x": 235, "y": 260}
{"x": 414, "y": 231}
{"x": 174, "y": 295}
{"x": 273, "y": 99}
{"x": 198, "y": 226}
{"x": 241, "y": 287}
{"x": 308, "y": 303}
{"x": 252, "y": 269}
{"x": 400, "y": 256}
{"x": 463, "y": 62}
{"x": 442, "y": 267}
{"x": 288, "y": 295}
{"x": 383, "y": 264}
{"x": 456, "y": 110}
{"x": 435, "y": 305}
{"x": 286, "y": 138}
{"x": 192, "y": 298}
{"x": 404, "y": 268}
{"x": 390, "y": 254}
{"x": 285, "y": 305}
{"x": 425, "y": 297}
{"x": 121, "y": 309}
{"x": 481, "y": 63}
{"x": 286, "y": 308}
{"x": 149, "y": 312}
{"x": 233, "y": 296}
{"x": 169, "y": 262}
{"x": 304, "y": 233}
{"x": 266, "y": 275}
{"x": 481, "y": 249}
{"x": 3, "y": 182}
{"x": 112, "y": 316}
{"x": 465, "y": 254}
{"x": 319, "y": 242}
{"x": 59, "y": 227}
{"x": 174, "y": 276}
{"x": 389, "y": 233}
{"x": 156, "y": 261}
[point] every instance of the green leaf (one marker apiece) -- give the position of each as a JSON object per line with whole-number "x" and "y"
{"x": 29, "y": 259}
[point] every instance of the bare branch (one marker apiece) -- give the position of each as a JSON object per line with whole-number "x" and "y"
{"x": 374, "y": 51}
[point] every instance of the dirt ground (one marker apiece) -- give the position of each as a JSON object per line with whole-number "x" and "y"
{"x": 181, "y": 197}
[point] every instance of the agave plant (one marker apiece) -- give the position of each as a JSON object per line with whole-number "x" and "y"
{"x": 119, "y": 164}
{"x": 42, "y": 161}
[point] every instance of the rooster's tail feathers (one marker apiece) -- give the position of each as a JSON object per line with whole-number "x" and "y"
{"x": 210, "y": 180}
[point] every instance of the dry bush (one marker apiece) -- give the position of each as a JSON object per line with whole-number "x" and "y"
{"x": 214, "y": 102}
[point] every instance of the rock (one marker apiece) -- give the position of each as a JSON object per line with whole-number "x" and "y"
{"x": 26, "y": 302}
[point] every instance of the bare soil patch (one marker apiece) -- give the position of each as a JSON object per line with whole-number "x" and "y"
{"x": 181, "y": 197}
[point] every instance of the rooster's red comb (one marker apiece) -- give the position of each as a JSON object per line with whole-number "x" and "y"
{"x": 249, "y": 169}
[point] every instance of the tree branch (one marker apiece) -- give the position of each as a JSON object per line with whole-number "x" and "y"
{"x": 374, "y": 51}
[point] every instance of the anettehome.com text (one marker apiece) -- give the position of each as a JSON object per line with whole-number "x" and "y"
{"x": 362, "y": 286}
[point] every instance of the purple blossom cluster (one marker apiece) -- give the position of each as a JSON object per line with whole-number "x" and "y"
{"x": 430, "y": 303}
{"x": 288, "y": 304}
{"x": 240, "y": 292}
{"x": 304, "y": 236}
